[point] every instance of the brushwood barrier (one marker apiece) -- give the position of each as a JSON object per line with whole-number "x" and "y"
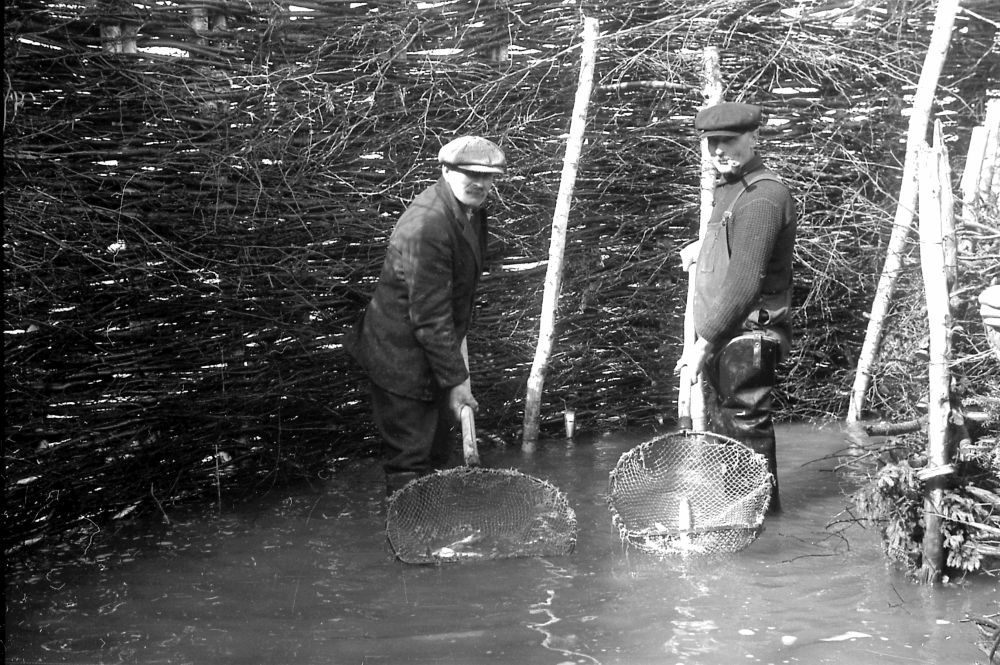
{"x": 197, "y": 197}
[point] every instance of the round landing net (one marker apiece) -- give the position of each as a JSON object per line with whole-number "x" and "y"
{"x": 468, "y": 514}
{"x": 689, "y": 493}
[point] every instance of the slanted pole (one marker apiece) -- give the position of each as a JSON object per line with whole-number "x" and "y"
{"x": 557, "y": 243}
{"x": 923, "y": 100}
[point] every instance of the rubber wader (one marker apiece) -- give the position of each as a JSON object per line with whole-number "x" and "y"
{"x": 742, "y": 375}
{"x": 398, "y": 480}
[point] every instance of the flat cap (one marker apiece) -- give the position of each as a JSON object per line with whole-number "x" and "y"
{"x": 473, "y": 153}
{"x": 727, "y": 119}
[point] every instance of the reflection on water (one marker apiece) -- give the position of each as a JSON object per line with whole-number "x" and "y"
{"x": 547, "y": 617}
{"x": 307, "y": 577}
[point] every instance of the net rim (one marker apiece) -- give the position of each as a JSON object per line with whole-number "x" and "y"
{"x": 736, "y": 540}
{"x": 408, "y": 551}
{"x": 720, "y": 538}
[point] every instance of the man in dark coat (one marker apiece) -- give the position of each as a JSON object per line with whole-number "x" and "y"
{"x": 411, "y": 339}
{"x": 743, "y": 284}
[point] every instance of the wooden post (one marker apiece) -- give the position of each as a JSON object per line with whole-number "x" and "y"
{"x": 557, "y": 243}
{"x": 946, "y": 210}
{"x": 691, "y": 397}
{"x": 970, "y": 176}
{"x": 199, "y": 23}
{"x": 131, "y": 35}
{"x": 119, "y": 27}
{"x": 978, "y": 162}
{"x": 116, "y": 39}
{"x": 974, "y": 164}
{"x": 935, "y": 195}
{"x": 923, "y": 99}
{"x": 204, "y": 21}
{"x": 497, "y": 53}
{"x": 111, "y": 38}
{"x": 992, "y": 150}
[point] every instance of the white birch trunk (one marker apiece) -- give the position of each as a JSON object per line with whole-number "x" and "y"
{"x": 944, "y": 21}
{"x": 970, "y": 175}
{"x": 691, "y": 398}
{"x": 935, "y": 193}
{"x": 992, "y": 151}
{"x": 946, "y": 210}
{"x": 111, "y": 38}
{"x": 557, "y": 243}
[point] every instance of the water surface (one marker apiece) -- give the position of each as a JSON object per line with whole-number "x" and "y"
{"x": 306, "y": 576}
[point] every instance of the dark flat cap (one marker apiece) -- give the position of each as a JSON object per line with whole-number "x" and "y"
{"x": 727, "y": 119}
{"x": 473, "y": 153}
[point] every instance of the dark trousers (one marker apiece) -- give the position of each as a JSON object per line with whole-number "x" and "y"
{"x": 740, "y": 381}
{"x": 417, "y": 435}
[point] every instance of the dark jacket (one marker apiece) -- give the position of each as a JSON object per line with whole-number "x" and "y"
{"x": 409, "y": 337}
{"x": 744, "y": 270}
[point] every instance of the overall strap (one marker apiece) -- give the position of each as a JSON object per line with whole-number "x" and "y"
{"x": 747, "y": 182}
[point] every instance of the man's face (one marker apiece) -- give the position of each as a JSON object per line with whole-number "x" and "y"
{"x": 730, "y": 153}
{"x": 470, "y": 187}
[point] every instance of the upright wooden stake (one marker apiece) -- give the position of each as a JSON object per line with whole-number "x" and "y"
{"x": 933, "y": 263}
{"x": 118, "y": 39}
{"x": 199, "y": 23}
{"x": 977, "y": 163}
{"x": 989, "y": 167}
{"x": 970, "y": 178}
{"x": 690, "y": 398}
{"x": 944, "y": 21}
{"x": 557, "y": 244}
{"x": 946, "y": 211}
{"x": 111, "y": 37}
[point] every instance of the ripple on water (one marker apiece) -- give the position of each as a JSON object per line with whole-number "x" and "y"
{"x": 306, "y": 577}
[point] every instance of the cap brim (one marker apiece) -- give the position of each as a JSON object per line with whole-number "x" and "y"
{"x": 708, "y": 133}
{"x": 476, "y": 168}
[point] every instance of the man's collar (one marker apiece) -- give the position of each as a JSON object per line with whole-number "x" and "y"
{"x": 755, "y": 163}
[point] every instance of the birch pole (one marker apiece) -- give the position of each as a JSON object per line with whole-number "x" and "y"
{"x": 989, "y": 165}
{"x": 946, "y": 208}
{"x": 969, "y": 185}
{"x": 690, "y": 397}
{"x": 935, "y": 221}
{"x": 980, "y": 162}
{"x": 923, "y": 100}
{"x": 557, "y": 243}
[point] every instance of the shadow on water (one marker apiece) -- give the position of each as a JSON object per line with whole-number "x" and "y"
{"x": 307, "y": 577}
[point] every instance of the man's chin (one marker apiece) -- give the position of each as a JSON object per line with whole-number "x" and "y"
{"x": 730, "y": 171}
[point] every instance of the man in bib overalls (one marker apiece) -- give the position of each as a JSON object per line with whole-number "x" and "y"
{"x": 743, "y": 284}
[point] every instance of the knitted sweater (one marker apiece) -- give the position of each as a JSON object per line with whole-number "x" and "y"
{"x": 745, "y": 261}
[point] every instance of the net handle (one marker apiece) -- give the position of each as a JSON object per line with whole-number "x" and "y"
{"x": 470, "y": 450}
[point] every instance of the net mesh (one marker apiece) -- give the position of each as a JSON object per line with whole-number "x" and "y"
{"x": 689, "y": 493}
{"x": 465, "y": 514}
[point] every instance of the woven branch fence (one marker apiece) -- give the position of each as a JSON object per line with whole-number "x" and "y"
{"x": 197, "y": 197}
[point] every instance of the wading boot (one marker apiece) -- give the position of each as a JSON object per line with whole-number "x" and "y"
{"x": 397, "y": 480}
{"x": 765, "y": 446}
